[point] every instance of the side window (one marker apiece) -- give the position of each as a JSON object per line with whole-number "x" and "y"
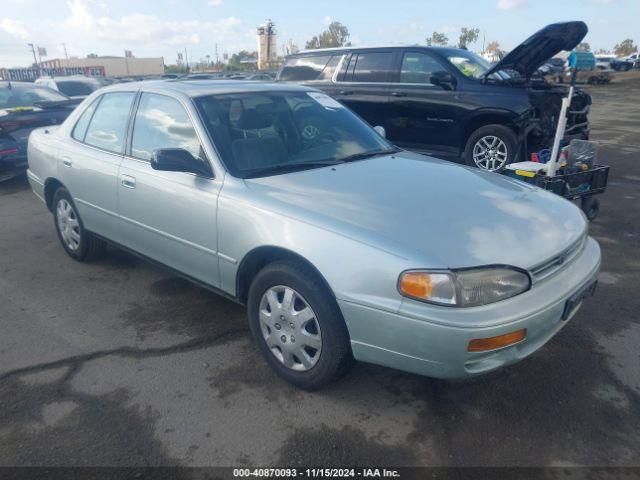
{"x": 162, "y": 122}
{"x": 108, "y": 126}
{"x": 372, "y": 67}
{"x": 80, "y": 130}
{"x": 304, "y": 68}
{"x": 418, "y": 67}
{"x": 330, "y": 68}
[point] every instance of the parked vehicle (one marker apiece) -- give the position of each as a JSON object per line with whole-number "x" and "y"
{"x": 263, "y": 77}
{"x": 340, "y": 245}
{"x": 451, "y": 102}
{"x": 610, "y": 62}
{"x": 75, "y": 86}
{"x": 23, "y": 107}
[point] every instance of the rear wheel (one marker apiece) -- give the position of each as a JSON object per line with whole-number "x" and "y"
{"x": 298, "y": 326}
{"x": 79, "y": 244}
{"x": 491, "y": 148}
{"x": 591, "y": 207}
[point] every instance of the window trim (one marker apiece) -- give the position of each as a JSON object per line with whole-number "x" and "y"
{"x": 342, "y": 70}
{"x": 400, "y": 59}
{"x": 97, "y": 102}
{"x": 128, "y": 154}
{"x": 126, "y": 132}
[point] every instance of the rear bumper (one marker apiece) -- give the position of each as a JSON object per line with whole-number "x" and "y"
{"x": 433, "y": 341}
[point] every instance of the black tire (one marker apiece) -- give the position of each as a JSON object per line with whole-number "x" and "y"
{"x": 505, "y": 134}
{"x": 335, "y": 354}
{"x": 591, "y": 207}
{"x": 89, "y": 247}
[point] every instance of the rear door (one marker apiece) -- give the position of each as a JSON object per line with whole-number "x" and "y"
{"x": 168, "y": 216}
{"x": 363, "y": 84}
{"x": 90, "y": 158}
{"x": 423, "y": 116}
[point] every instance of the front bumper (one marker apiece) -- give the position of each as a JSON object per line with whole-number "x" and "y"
{"x": 432, "y": 341}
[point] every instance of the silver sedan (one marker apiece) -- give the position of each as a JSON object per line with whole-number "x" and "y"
{"x": 341, "y": 245}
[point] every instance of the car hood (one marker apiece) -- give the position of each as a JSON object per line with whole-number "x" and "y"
{"x": 423, "y": 208}
{"x": 527, "y": 57}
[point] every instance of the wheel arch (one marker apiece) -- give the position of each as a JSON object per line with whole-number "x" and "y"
{"x": 51, "y": 185}
{"x": 488, "y": 117}
{"x": 261, "y": 256}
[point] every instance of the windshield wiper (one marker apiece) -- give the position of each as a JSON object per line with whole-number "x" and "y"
{"x": 369, "y": 154}
{"x": 286, "y": 167}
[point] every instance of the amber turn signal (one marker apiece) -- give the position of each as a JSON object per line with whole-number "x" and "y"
{"x": 486, "y": 344}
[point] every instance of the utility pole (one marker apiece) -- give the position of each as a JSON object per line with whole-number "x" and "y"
{"x": 66, "y": 55}
{"x": 35, "y": 60}
{"x": 186, "y": 59}
{"x": 217, "y": 58}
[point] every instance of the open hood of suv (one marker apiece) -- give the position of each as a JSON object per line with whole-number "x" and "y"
{"x": 527, "y": 57}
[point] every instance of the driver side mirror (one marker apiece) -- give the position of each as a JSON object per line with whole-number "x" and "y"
{"x": 179, "y": 160}
{"x": 444, "y": 80}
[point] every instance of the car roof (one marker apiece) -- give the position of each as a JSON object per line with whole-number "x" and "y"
{"x": 6, "y": 83}
{"x": 206, "y": 87}
{"x": 378, "y": 47}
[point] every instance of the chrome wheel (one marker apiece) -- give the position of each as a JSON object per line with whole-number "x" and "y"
{"x": 490, "y": 153}
{"x": 290, "y": 328}
{"x": 68, "y": 225}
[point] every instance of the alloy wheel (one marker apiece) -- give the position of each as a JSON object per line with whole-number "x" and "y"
{"x": 68, "y": 224}
{"x": 290, "y": 328}
{"x": 490, "y": 153}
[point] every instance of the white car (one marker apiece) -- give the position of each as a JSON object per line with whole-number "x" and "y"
{"x": 76, "y": 86}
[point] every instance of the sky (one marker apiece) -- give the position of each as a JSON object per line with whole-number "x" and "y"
{"x": 165, "y": 27}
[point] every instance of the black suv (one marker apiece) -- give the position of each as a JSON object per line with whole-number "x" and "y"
{"x": 449, "y": 102}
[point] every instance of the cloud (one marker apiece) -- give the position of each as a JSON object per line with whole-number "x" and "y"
{"x": 214, "y": 3}
{"x": 512, "y": 4}
{"x": 327, "y": 21}
{"x": 15, "y": 28}
{"x": 140, "y": 28}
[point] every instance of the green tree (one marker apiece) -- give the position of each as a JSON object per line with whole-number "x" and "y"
{"x": 625, "y": 48}
{"x": 467, "y": 36}
{"x": 437, "y": 39}
{"x": 336, "y": 35}
{"x": 583, "y": 47}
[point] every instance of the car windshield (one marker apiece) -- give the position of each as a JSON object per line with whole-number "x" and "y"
{"x": 266, "y": 133}
{"x": 75, "y": 88}
{"x": 26, "y": 96}
{"x": 474, "y": 66}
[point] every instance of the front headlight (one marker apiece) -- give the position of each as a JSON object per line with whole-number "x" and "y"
{"x": 464, "y": 288}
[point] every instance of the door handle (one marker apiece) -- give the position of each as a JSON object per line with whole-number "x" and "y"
{"x": 345, "y": 92}
{"x": 66, "y": 162}
{"x": 128, "y": 181}
{"x": 398, "y": 94}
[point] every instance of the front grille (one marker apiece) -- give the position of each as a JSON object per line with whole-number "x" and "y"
{"x": 558, "y": 262}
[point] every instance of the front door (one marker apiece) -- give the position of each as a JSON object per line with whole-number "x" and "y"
{"x": 423, "y": 116}
{"x": 168, "y": 216}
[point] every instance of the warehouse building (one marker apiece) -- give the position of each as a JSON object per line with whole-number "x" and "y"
{"x": 112, "y": 66}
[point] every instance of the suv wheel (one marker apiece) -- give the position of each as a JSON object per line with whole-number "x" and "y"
{"x": 491, "y": 148}
{"x": 298, "y": 326}
{"x": 76, "y": 241}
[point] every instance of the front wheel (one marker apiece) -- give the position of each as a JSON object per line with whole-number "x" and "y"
{"x": 298, "y": 326}
{"x": 491, "y": 148}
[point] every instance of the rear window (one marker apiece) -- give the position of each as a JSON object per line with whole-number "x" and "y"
{"x": 75, "y": 88}
{"x": 20, "y": 96}
{"x": 305, "y": 68}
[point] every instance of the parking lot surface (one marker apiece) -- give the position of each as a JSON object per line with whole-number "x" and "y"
{"x": 118, "y": 363}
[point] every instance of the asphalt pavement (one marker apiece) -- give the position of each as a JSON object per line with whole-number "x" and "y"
{"x": 118, "y": 363}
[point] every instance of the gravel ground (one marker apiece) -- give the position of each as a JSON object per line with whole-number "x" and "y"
{"x": 118, "y": 363}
